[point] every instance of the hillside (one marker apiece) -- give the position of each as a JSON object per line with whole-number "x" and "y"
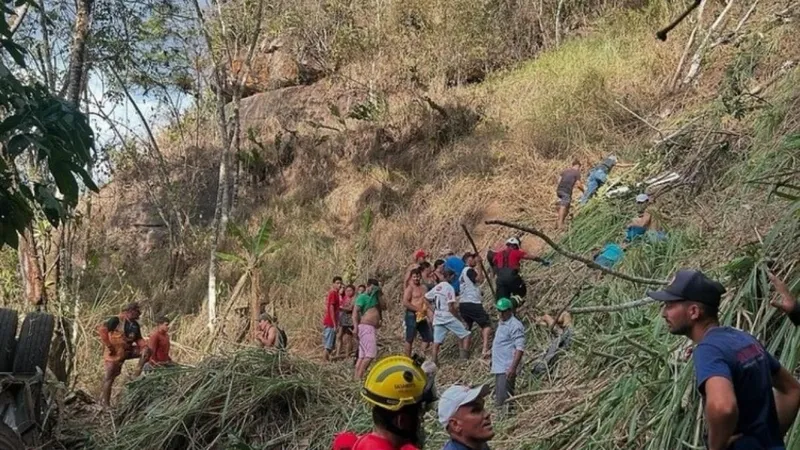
{"x": 355, "y": 177}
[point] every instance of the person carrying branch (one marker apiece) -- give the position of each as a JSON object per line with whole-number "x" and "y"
{"x": 749, "y": 400}
{"x": 506, "y": 264}
{"x": 122, "y": 337}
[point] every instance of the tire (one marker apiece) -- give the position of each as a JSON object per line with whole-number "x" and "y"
{"x": 8, "y": 334}
{"x": 9, "y": 439}
{"x": 33, "y": 345}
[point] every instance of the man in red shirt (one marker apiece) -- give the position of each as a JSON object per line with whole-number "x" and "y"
{"x": 331, "y": 320}
{"x": 159, "y": 345}
{"x": 506, "y": 265}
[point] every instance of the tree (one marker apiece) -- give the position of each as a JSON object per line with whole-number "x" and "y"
{"x": 254, "y": 251}
{"x": 49, "y": 132}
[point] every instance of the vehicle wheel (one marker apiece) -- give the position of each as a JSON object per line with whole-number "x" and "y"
{"x": 33, "y": 345}
{"x": 9, "y": 439}
{"x": 8, "y": 334}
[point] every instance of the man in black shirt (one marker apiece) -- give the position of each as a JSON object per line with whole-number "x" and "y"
{"x": 122, "y": 338}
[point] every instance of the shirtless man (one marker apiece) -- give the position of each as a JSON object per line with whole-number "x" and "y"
{"x": 418, "y": 315}
{"x": 419, "y": 257}
{"x": 267, "y": 334}
{"x": 366, "y": 321}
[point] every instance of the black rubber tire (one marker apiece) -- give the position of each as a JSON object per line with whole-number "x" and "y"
{"x": 8, "y": 335}
{"x": 9, "y": 439}
{"x": 33, "y": 345}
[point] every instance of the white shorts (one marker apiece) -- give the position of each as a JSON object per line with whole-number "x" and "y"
{"x": 454, "y": 326}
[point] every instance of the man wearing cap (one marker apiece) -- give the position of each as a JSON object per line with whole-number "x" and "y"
{"x": 644, "y": 223}
{"x": 122, "y": 337}
{"x": 456, "y": 265}
{"x": 446, "y": 317}
{"x": 462, "y": 414}
{"x": 419, "y": 257}
{"x": 470, "y": 303}
{"x": 598, "y": 176}
{"x": 507, "y": 349}
{"x": 735, "y": 375}
{"x": 506, "y": 265}
{"x": 786, "y": 301}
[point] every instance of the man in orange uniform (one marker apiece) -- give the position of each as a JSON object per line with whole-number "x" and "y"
{"x": 159, "y": 345}
{"x": 122, "y": 338}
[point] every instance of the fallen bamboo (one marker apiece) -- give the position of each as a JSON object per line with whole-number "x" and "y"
{"x": 611, "y": 308}
{"x": 588, "y": 262}
{"x": 548, "y": 391}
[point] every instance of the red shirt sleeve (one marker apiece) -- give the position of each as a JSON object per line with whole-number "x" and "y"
{"x": 333, "y": 298}
{"x": 153, "y": 342}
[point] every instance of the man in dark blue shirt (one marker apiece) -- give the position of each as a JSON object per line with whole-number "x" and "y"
{"x": 735, "y": 374}
{"x": 462, "y": 414}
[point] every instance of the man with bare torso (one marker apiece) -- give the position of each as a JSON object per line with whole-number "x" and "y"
{"x": 366, "y": 321}
{"x": 418, "y": 316}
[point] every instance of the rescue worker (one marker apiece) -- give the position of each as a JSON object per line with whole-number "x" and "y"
{"x": 122, "y": 337}
{"x": 399, "y": 392}
{"x": 506, "y": 264}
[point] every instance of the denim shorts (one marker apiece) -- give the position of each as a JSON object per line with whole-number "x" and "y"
{"x": 329, "y": 338}
{"x": 454, "y": 326}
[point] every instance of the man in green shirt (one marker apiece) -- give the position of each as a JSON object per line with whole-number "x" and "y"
{"x": 366, "y": 321}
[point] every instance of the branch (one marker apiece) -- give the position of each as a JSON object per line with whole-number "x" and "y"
{"x": 20, "y": 12}
{"x": 588, "y": 262}
{"x": 612, "y": 308}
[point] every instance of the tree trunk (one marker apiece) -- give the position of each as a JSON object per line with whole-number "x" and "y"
{"x": 255, "y": 297}
{"x": 77, "y": 54}
{"x": 31, "y": 271}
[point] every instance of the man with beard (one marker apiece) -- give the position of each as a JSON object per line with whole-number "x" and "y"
{"x": 749, "y": 400}
{"x": 463, "y": 416}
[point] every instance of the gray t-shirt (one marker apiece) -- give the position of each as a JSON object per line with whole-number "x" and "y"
{"x": 569, "y": 177}
{"x": 606, "y": 165}
{"x": 509, "y": 337}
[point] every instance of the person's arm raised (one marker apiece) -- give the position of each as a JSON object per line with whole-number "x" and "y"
{"x": 786, "y": 301}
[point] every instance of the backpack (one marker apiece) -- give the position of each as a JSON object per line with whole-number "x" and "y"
{"x": 282, "y": 340}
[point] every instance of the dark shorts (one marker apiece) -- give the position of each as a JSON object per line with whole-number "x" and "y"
{"x": 413, "y": 327}
{"x": 564, "y": 198}
{"x": 474, "y": 313}
{"x": 506, "y": 287}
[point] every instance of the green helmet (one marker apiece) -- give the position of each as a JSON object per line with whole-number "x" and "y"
{"x": 504, "y": 304}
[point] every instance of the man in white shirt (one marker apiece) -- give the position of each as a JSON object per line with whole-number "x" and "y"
{"x": 470, "y": 302}
{"x": 446, "y": 316}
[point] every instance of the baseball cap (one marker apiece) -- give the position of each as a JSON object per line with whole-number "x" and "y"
{"x": 512, "y": 241}
{"x": 344, "y": 440}
{"x": 690, "y": 285}
{"x": 457, "y": 396}
{"x": 420, "y": 254}
{"x": 642, "y": 198}
{"x": 504, "y": 304}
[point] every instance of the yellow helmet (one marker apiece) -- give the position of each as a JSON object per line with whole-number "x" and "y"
{"x": 394, "y": 382}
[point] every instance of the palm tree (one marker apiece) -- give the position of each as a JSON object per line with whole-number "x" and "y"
{"x": 253, "y": 252}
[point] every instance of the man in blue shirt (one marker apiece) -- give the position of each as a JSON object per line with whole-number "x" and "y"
{"x": 735, "y": 375}
{"x": 462, "y": 414}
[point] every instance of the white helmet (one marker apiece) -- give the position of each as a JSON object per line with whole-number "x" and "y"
{"x": 512, "y": 241}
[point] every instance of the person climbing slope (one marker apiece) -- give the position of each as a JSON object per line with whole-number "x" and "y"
{"x": 446, "y": 317}
{"x": 570, "y": 179}
{"x": 644, "y": 224}
{"x": 599, "y": 175}
{"x": 749, "y": 400}
{"x": 470, "y": 303}
{"x": 122, "y": 337}
{"x": 366, "y": 320}
{"x": 506, "y": 264}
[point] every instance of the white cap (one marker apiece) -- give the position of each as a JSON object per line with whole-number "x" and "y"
{"x": 512, "y": 241}
{"x": 457, "y": 396}
{"x": 642, "y": 198}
